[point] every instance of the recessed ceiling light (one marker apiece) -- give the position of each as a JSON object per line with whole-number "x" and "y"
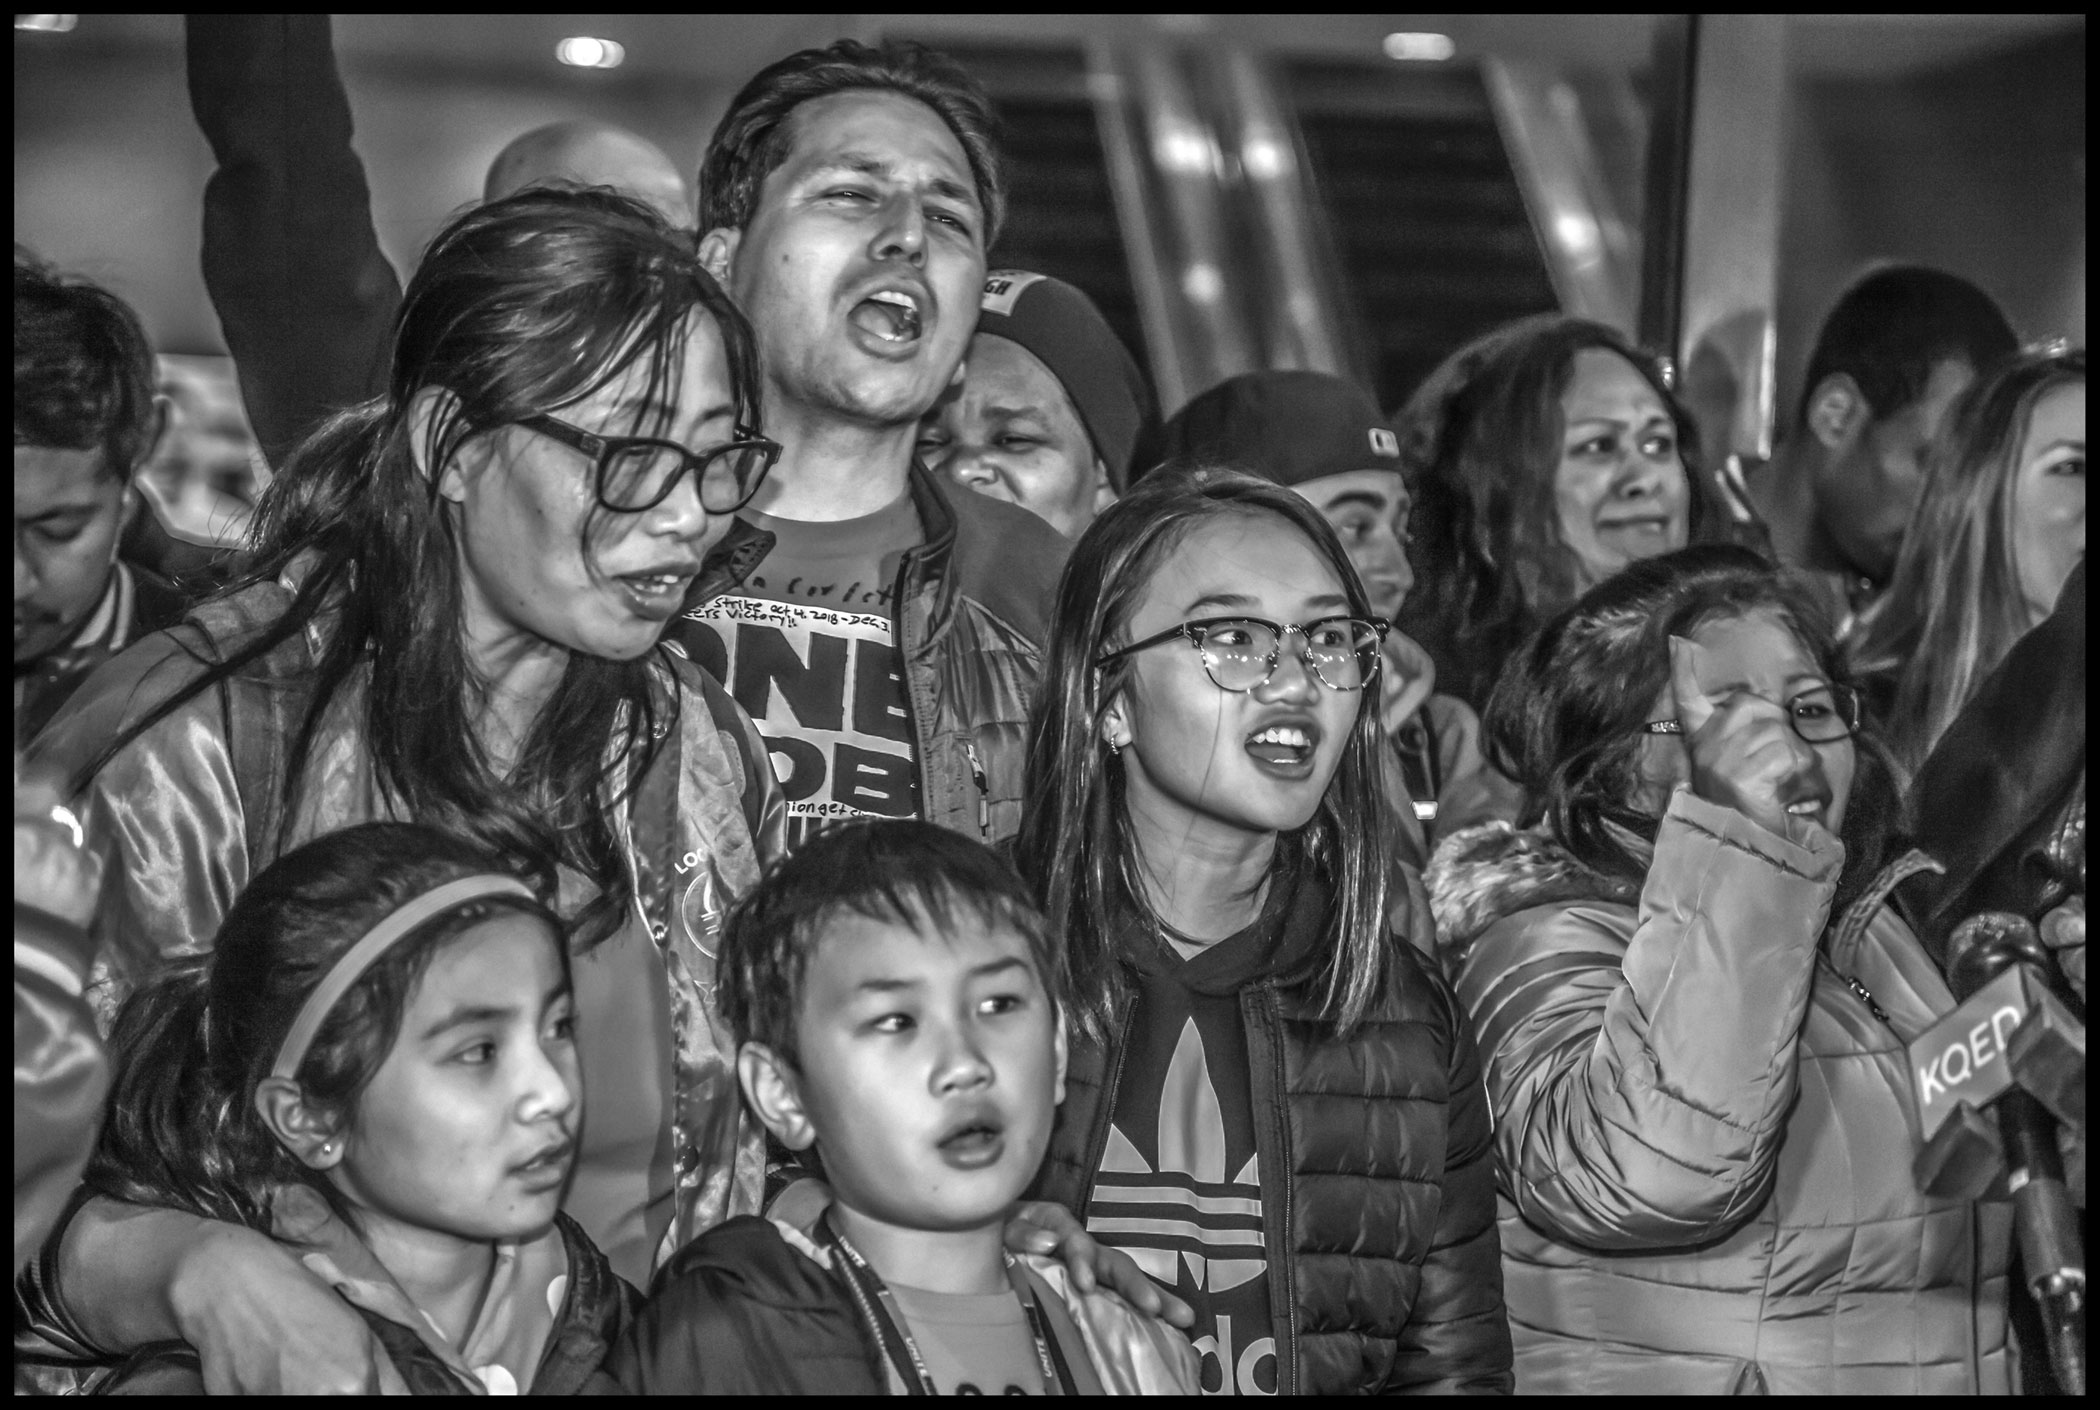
{"x": 1412, "y": 47}
{"x": 584, "y": 52}
{"x": 47, "y": 24}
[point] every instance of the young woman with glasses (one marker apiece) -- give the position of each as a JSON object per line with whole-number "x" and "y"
{"x": 453, "y": 618}
{"x": 1274, "y": 1104}
{"x": 1694, "y": 1002}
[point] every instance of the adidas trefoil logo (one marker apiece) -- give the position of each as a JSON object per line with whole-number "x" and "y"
{"x": 1192, "y": 1144}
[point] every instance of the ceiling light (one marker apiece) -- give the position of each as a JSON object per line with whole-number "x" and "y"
{"x": 584, "y": 52}
{"x": 1413, "y": 47}
{"x": 47, "y": 24}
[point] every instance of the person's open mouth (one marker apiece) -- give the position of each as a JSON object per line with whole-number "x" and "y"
{"x": 974, "y": 1142}
{"x": 889, "y": 322}
{"x": 657, "y": 594}
{"x": 1285, "y": 748}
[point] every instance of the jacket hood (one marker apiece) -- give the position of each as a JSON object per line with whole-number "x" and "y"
{"x": 1285, "y": 943}
{"x": 1485, "y": 873}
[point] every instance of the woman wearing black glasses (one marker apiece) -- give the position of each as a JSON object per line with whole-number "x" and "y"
{"x": 1694, "y": 1002}
{"x": 453, "y": 617}
{"x": 1274, "y": 1104}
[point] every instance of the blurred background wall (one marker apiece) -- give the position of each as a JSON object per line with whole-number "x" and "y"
{"x": 1955, "y": 140}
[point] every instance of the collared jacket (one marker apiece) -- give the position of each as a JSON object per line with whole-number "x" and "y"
{"x": 754, "y": 1308}
{"x": 972, "y": 611}
{"x": 970, "y": 616}
{"x": 1705, "y": 1124}
{"x": 186, "y": 813}
{"x": 1377, "y": 1178}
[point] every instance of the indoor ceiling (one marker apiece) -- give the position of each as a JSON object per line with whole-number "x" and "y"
{"x": 723, "y": 46}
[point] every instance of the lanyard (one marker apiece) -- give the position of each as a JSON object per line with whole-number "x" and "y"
{"x": 878, "y": 1309}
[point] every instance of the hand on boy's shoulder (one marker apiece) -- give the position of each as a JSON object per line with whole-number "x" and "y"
{"x": 743, "y": 1311}
{"x": 1132, "y": 1351}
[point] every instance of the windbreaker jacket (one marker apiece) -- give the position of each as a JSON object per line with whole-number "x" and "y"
{"x": 754, "y": 1308}
{"x": 61, "y": 1070}
{"x": 1705, "y": 1131}
{"x": 186, "y": 813}
{"x": 52, "y": 1355}
{"x": 1377, "y": 1181}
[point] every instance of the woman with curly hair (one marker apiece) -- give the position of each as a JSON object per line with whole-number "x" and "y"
{"x": 1544, "y": 457}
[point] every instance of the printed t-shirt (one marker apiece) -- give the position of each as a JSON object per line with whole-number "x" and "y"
{"x": 981, "y": 1344}
{"x": 1179, "y": 1188}
{"x": 807, "y": 646}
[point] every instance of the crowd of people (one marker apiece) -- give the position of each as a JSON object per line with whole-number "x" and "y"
{"x": 749, "y": 818}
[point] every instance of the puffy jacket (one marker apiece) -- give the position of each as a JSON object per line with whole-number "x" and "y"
{"x": 1705, "y": 1127}
{"x": 186, "y": 813}
{"x": 1377, "y": 1181}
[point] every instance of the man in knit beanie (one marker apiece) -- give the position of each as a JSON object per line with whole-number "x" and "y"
{"x": 1322, "y": 437}
{"x": 1051, "y": 406}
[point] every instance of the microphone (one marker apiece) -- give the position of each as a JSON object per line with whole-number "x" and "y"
{"x": 2014, "y": 1046}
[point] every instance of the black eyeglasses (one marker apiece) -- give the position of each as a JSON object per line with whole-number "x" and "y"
{"x": 1240, "y": 653}
{"x": 1823, "y": 715}
{"x": 637, "y": 473}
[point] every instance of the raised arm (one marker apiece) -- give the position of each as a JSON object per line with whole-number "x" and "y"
{"x": 1641, "y": 1089}
{"x": 303, "y": 293}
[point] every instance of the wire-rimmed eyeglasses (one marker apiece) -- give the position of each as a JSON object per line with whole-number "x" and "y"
{"x": 1240, "y": 653}
{"x": 1822, "y": 715}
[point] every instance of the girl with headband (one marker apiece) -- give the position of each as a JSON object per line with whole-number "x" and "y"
{"x": 452, "y": 618}
{"x": 376, "y": 1065}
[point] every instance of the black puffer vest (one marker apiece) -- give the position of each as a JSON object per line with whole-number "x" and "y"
{"x": 1377, "y": 1177}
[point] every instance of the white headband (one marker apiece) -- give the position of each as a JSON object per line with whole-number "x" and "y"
{"x": 376, "y": 942}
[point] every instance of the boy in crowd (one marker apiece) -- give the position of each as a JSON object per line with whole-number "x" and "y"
{"x": 898, "y": 1001}
{"x": 889, "y": 640}
{"x": 87, "y": 415}
{"x": 1051, "y": 409}
{"x": 1898, "y": 347}
{"x": 1321, "y": 436}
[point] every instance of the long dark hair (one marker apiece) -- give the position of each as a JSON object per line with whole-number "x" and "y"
{"x": 180, "y": 1128}
{"x": 1954, "y": 606}
{"x": 1565, "y": 721}
{"x": 519, "y": 306}
{"x": 1480, "y": 443}
{"x": 1076, "y": 847}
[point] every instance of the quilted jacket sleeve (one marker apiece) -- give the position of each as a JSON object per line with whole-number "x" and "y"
{"x": 1457, "y": 1338}
{"x": 303, "y": 292}
{"x": 1641, "y": 1087}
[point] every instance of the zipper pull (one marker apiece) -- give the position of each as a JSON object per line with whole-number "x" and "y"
{"x": 984, "y": 789}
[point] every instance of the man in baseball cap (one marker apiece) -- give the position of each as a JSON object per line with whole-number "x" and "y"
{"x": 1050, "y": 408}
{"x": 1322, "y": 436}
